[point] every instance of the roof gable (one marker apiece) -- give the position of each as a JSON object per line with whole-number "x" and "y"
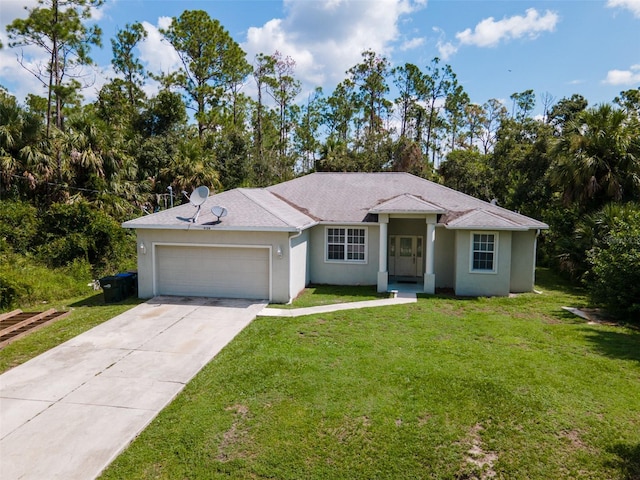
{"x": 483, "y": 220}
{"x": 407, "y": 203}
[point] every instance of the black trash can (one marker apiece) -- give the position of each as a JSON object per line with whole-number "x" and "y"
{"x": 129, "y": 283}
{"x": 112, "y": 288}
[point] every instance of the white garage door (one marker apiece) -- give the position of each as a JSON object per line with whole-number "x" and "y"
{"x": 229, "y": 272}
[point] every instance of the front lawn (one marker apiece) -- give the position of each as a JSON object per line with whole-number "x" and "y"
{"x": 316, "y": 295}
{"x": 445, "y": 388}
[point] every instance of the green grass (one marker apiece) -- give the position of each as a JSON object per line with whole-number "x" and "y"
{"x": 87, "y": 311}
{"x": 24, "y": 282}
{"x": 406, "y": 392}
{"x": 315, "y": 295}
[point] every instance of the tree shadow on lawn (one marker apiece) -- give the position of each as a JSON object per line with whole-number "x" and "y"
{"x": 343, "y": 290}
{"x": 628, "y": 461}
{"x": 547, "y": 279}
{"x": 567, "y": 317}
{"x": 623, "y": 344}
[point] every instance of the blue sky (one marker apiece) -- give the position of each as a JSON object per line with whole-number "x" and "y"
{"x": 495, "y": 47}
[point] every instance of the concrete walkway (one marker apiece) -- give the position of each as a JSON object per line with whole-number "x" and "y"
{"x": 69, "y": 412}
{"x": 401, "y": 298}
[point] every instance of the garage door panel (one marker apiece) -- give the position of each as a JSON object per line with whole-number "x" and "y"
{"x": 212, "y": 271}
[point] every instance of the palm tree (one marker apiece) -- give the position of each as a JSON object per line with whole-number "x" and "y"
{"x": 24, "y": 161}
{"x": 191, "y": 167}
{"x": 598, "y": 158}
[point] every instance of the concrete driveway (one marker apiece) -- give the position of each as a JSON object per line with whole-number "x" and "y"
{"x": 69, "y": 412}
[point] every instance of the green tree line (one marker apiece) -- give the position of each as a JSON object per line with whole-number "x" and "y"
{"x": 576, "y": 167}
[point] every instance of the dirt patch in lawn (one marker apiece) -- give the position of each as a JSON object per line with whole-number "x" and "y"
{"x": 574, "y": 437}
{"x": 478, "y": 462}
{"x": 234, "y": 435}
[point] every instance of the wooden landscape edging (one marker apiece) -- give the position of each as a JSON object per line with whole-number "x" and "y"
{"x": 20, "y": 329}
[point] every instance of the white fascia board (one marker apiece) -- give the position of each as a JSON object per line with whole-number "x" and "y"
{"x": 409, "y": 212}
{"x": 208, "y": 228}
{"x": 487, "y": 228}
{"x": 346, "y": 224}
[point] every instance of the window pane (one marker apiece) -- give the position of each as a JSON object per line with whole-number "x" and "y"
{"x": 355, "y": 252}
{"x": 346, "y": 244}
{"x": 483, "y": 251}
{"x": 406, "y": 247}
{"x": 335, "y": 235}
{"x": 355, "y": 235}
{"x": 335, "y": 252}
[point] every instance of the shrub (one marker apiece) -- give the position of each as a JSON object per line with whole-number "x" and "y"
{"x": 614, "y": 278}
{"x": 24, "y": 282}
{"x": 18, "y": 225}
{"x": 80, "y": 232}
{"x": 60, "y": 251}
{"x": 12, "y": 291}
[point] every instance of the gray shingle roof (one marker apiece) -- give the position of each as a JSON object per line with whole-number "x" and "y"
{"x": 482, "y": 219}
{"x": 350, "y": 197}
{"x": 340, "y": 198}
{"x": 248, "y": 209}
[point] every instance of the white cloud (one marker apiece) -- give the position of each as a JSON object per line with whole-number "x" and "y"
{"x": 18, "y": 79}
{"x": 623, "y": 77}
{"x": 158, "y": 55}
{"x": 446, "y": 49}
{"x": 632, "y": 5}
{"x": 327, "y": 38}
{"x": 489, "y": 32}
{"x": 165, "y": 22}
{"x": 12, "y": 9}
{"x": 98, "y": 14}
{"x": 413, "y": 43}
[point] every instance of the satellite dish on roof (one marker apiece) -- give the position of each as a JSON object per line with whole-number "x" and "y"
{"x": 197, "y": 198}
{"x": 219, "y": 212}
{"x": 199, "y": 195}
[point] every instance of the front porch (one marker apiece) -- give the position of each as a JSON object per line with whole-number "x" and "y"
{"x": 407, "y": 251}
{"x": 405, "y": 284}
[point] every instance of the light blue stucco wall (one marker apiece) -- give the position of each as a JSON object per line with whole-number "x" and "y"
{"x": 299, "y": 263}
{"x": 468, "y": 283}
{"x": 343, "y": 273}
{"x": 523, "y": 254}
{"x": 445, "y": 252}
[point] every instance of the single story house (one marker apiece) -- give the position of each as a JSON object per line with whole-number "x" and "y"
{"x": 336, "y": 228}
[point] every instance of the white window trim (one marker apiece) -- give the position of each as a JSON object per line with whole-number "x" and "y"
{"x": 366, "y": 244}
{"x": 496, "y": 243}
